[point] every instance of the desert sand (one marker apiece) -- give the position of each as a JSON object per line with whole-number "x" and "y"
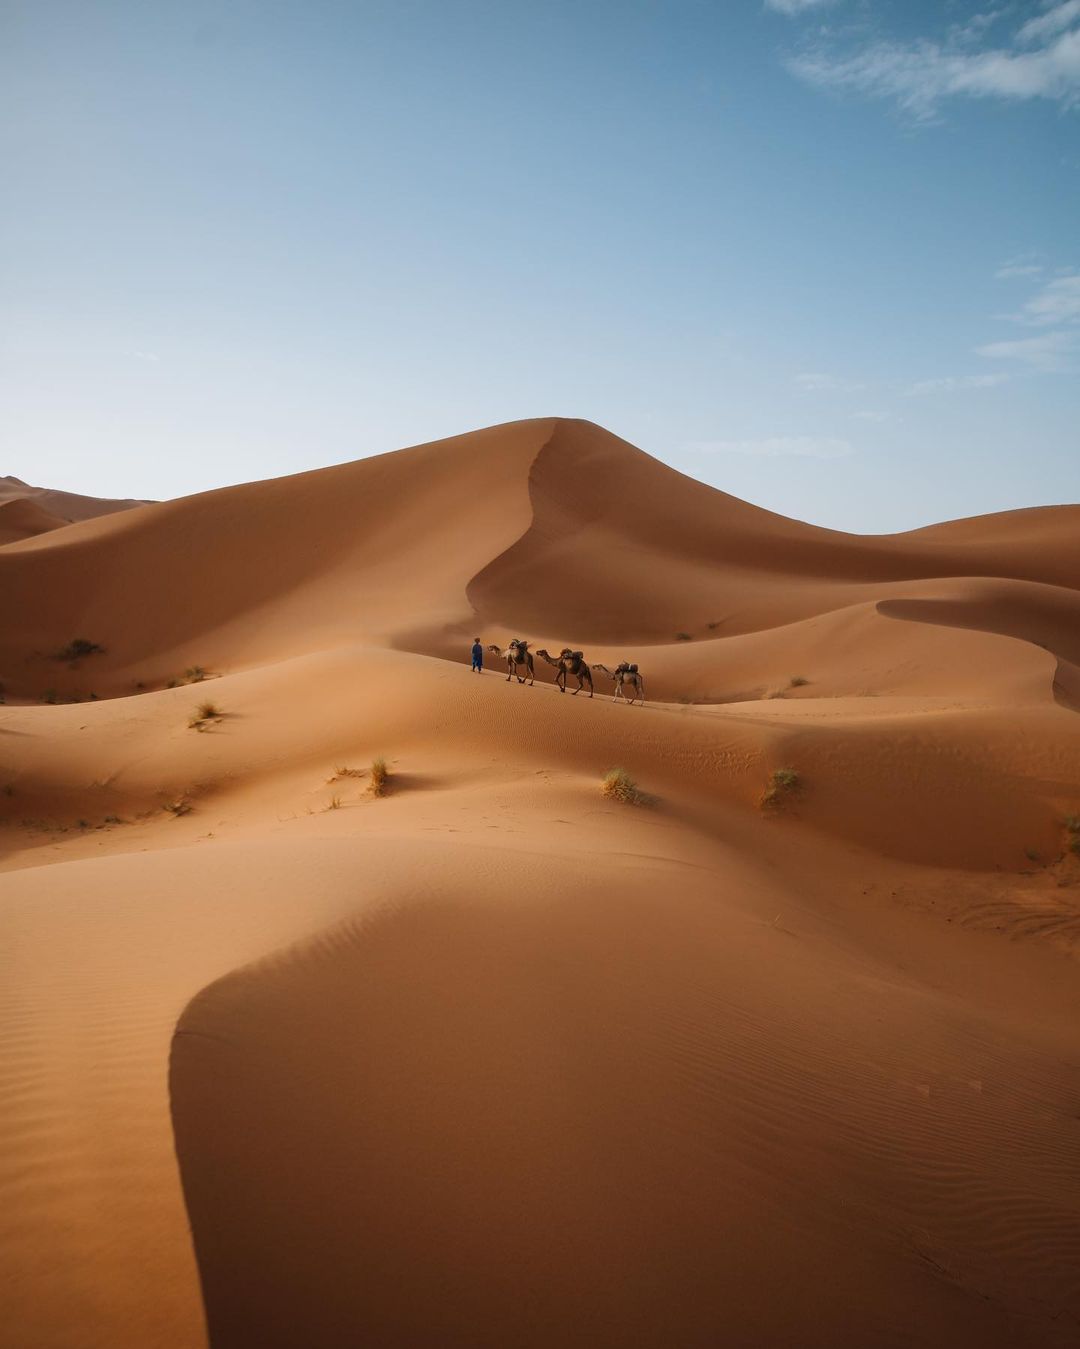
{"x": 494, "y": 1060}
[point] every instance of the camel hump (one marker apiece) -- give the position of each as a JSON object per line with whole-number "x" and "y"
{"x": 628, "y": 668}
{"x": 577, "y": 655}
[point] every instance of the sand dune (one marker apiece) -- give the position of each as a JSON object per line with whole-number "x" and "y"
{"x": 65, "y": 506}
{"x": 23, "y": 518}
{"x": 494, "y": 1060}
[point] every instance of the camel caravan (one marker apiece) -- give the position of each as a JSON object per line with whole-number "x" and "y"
{"x": 629, "y": 683}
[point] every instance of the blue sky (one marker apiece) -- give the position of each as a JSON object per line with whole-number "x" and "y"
{"x": 823, "y": 254}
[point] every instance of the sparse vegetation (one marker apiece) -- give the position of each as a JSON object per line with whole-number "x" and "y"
{"x": 195, "y": 674}
{"x": 798, "y": 682}
{"x": 113, "y": 819}
{"x": 714, "y": 625}
{"x": 50, "y": 696}
{"x": 1031, "y": 854}
{"x": 380, "y": 778}
{"x": 78, "y": 648}
{"x": 335, "y": 803}
{"x": 345, "y": 773}
{"x": 181, "y": 805}
{"x": 683, "y": 637}
{"x": 618, "y": 785}
{"x": 205, "y": 713}
{"x": 781, "y": 784}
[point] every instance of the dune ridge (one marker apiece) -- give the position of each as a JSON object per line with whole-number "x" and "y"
{"x": 494, "y": 1060}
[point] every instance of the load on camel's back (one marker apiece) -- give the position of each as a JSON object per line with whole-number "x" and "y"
{"x": 517, "y": 656}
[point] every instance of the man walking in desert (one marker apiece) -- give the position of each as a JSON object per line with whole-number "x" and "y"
{"x": 477, "y": 656}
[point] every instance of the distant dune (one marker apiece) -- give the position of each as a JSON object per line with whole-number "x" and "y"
{"x": 64, "y": 506}
{"x": 495, "y": 1061}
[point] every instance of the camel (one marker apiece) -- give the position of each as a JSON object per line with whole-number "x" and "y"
{"x": 570, "y": 663}
{"x": 625, "y": 674}
{"x": 517, "y": 653}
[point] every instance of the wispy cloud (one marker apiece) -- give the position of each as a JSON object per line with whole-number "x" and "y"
{"x": 795, "y": 6}
{"x": 1047, "y": 25}
{"x": 777, "y": 447}
{"x": 1047, "y": 352}
{"x": 818, "y": 383}
{"x": 921, "y": 75}
{"x": 1016, "y": 267}
{"x": 957, "y": 383}
{"x": 1057, "y": 302}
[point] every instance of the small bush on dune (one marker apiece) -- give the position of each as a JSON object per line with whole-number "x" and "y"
{"x": 195, "y": 674}
{"x": 180, "y": 806}
{"x": 782, "y": 783}
{"x": 334, "y": 803}
{"x": 204, "y": 713}
{"x": 618, "y": 785}
{"x": 798, "y": 682}
{"x": 683, "y": 637}
{"x": 380, "y": 778}
{"x": 78, "y": 648}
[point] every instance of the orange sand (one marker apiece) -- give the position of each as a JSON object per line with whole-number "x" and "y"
{"x": 494, "y": 1061}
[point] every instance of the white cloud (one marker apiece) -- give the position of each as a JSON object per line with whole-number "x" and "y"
{"x": 920, "y": 75}
{"x": 777, "y": 447}
{"x": 955, "y": 383}
{"x": 795, "y": 6}
{"x": 1049, "y": 351}
{"x": 817, "y": 383}
{"x": 1057, "y": 302}
{"x": 1011, "y": 269}
{"x": 1046, "y": 25}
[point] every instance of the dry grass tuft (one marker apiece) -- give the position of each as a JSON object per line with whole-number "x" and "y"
{"x": 334, "y": 803}
{"x": 782, "y": 783}
{"x": 180, "y": 806}
{"x": 683, "y": 637}
{"x": 205, "y": 713}
{"x": 78, "y": 648}
{"x": 798, "y": 682}
{"x": 345, "y": 773}
{"x": 380, "y": 778}
{"x": 618, "y": 785}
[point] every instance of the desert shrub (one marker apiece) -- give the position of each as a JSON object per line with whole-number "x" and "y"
{"x": 181, "y": 805}
{"x": 195, "y": 674}
{"x": 1031, "y": 854}
{"x": 683, "y": 637}
{"x": 112, "y": 819}
{"x": 782, "y": 782}
{"x": 205, "y": 712}
{"x": 380, "y": 777}
{"x": 49, "y": 696}
{"x": 798, "y": 682}
{"x": 334, "y": 803}
{"x": 618, "y": 785}
{"x": 78, "y": 648}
